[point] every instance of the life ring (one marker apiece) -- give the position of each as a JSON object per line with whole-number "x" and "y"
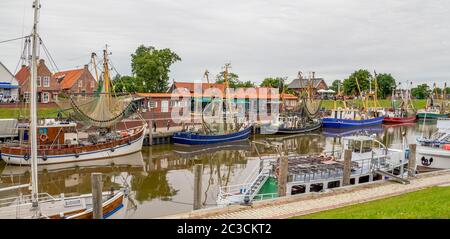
{"x": 43, "y": 137}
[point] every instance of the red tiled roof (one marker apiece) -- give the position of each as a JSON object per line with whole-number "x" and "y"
{"x": 70, "y": 77}
{"x": 22, "y": 75}
{"x": 238, "y": 95}
{"x": 191, "y": 86}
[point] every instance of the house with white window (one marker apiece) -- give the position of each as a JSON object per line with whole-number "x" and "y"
{"x": 48, "y": 88}
{"x": 9, "y": 86}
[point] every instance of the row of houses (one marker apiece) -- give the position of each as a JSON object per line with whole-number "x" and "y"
{"x": 15, "y": 87}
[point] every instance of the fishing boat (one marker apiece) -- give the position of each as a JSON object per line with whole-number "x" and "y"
{"x": 367, "y": 115}
{"x": 435, "y": 109}
{"x": 42, "y": 205}
{"x": 403, "y": 112}
{"x": 216, "y": 132}
{"x": 434, "y": 152}
{"x": 303, "y": 118}
{"x": 65, "y": 142}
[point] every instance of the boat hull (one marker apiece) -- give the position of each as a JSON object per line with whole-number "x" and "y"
{"x": 116, "y": 151}
{"x": 344, "y": 123}
{"x": 267, "y": 129}
{"x": 433, "y": 157}
{"x": 399, "y": 120}
{"x": 188, "y": 138}
{"x": 431, "y": 115}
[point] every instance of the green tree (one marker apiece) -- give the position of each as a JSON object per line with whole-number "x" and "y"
{"x": 233, "y": 81}
{"x": 128, "y": 84}
{"x": 421, "y": 91}
{"x": 386, "y": 83}
{"x": 277, "y": 82}
{"x": 350, "y": 86}
{"x": 335, "y": 85}
{"x": 151, "y": 66}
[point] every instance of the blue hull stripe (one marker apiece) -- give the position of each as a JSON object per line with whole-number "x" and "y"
{"x": 341, "y": 123}
{"x": 194, "y": 139}
{"x": 113, "y": 211}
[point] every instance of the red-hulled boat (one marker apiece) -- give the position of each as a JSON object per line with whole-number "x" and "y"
{"x": 399, "y": 120}
{"x": 402, "y": 110}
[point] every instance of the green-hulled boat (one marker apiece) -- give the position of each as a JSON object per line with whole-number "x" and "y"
{"x": 436, "y": 108}
{"x": 431, "y": 115}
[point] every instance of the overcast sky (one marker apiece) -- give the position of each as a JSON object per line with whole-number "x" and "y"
{"x": 408, "y": 38}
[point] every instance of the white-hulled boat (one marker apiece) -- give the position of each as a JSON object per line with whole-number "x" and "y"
{"x": 434, "y": 152}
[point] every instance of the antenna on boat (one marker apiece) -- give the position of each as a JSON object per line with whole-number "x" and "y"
{"x": 33, "y": 113}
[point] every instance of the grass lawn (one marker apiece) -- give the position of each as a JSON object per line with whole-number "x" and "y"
{"x": 6, "y": 113}
{"x": 432, "y": 203}
{"x": 329, "y": 104}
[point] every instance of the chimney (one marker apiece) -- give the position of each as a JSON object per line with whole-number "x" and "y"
{"x": 86, "y": 67}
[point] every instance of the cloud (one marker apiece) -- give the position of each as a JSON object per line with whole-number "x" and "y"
{"x": 260, "y": 38}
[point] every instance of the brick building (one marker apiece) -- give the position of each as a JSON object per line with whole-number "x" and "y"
{"x": 78, "y": 81}
{"x": 47, "y": 87}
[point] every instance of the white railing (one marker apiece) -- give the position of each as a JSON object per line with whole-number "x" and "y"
{"x": 24, "y": 199}
{"x": 237, "y": 193}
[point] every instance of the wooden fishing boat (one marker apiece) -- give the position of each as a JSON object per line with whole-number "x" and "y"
{"x": 79, "y": 207}
{"x": 42, "y": 205}
{"x": 64, "y": 142}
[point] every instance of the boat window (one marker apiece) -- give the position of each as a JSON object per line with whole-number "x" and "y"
{"x": 367, "y": 146}
{"x": 354, "y": 145}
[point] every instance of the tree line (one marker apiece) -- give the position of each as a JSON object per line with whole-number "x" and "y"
{"x": 151, "y": 67}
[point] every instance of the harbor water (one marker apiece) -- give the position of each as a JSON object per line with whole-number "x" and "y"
{"x": 161, "y": 178}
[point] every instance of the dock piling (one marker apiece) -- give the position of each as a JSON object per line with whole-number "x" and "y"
{"x": 412, "y": 160}
{"x": 283, "y": 173}
{"x": 347, "y": 167}
{"x": 96, "y": 181}
{"x": 198, "y": 171}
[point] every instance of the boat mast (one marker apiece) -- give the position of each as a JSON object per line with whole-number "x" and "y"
{"x": 106, "y": 69}
{"x": 33, "y": 112}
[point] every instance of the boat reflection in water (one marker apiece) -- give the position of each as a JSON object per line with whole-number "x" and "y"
{"x": 341, "y": 132}
{"x": 189, "y": 152}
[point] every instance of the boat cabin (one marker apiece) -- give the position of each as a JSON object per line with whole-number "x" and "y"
{"x": 51, "y": 132}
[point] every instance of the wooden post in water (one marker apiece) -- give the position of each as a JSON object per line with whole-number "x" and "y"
{"x": 198, "y": 171}
{"x": 282, "y": 174}
{"x": 412, "y": 160}
{"x": 347, "y": 167}
{"x": 97, "y": 185}
{"x": 150, "y": 133}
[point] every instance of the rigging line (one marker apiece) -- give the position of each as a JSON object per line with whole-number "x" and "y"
{"x": 14, "y": 39}
{"x": 48, "y": 53}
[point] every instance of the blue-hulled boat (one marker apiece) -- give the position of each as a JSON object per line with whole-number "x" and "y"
{"x": 192, "y": 138}
{"x": 342, "y": 123}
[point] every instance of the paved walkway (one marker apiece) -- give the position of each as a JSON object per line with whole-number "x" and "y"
{"x": 335, "y": 198}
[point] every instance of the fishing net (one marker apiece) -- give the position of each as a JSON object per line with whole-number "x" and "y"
{"x": 100, "y": 110}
